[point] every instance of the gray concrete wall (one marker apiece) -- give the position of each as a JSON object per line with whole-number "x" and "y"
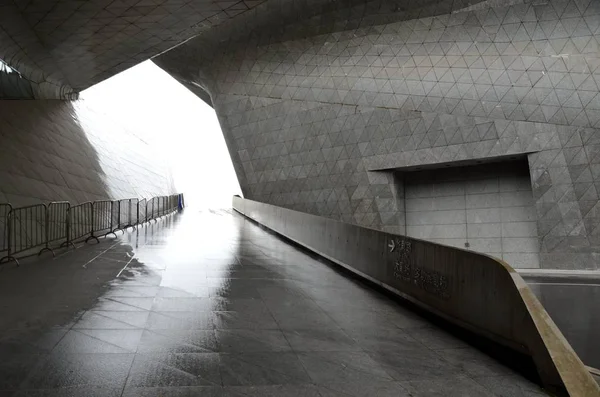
{"x": 317, "y": 102}
{"x": 484, "y": 208}
{"x": 56, "y": 150}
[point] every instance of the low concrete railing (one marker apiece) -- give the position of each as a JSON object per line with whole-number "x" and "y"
{"x": 475, "y": 291}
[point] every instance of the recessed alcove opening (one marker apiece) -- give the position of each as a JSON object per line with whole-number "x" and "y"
{"x": 484, "y": 206}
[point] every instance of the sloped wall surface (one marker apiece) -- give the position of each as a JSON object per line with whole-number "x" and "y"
{"x": 319, "y": 102}
{"x": 53, "y": 150}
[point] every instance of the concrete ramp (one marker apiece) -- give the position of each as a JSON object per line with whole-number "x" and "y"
{"x": 477, "y": 292}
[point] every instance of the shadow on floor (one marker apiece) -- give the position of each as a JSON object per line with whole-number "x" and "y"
{"x": 50, "y": 292}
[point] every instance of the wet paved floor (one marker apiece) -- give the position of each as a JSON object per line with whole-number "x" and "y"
{"x": 208, "y": 304}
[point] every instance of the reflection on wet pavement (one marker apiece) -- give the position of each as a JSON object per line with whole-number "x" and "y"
{"x": 209, "y": 304}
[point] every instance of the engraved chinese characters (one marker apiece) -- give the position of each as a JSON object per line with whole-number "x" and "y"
{"x": 428, "y": 280}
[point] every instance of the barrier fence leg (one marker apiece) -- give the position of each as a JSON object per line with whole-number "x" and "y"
{"x": 112, "y": 208}
{"x": 8, "y": 256}
{"x": 139, "y": 221}
{"x": 68, "y": 227}
{"x": 92, "y": 236}
{"x": 118, "y": 227}
{"x": 130, "y": 223}
{"x": 47, "y": 235}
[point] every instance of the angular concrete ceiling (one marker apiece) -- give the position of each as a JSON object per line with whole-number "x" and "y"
{"x": 65, "y": 46}
{"x": 296, "y": 24}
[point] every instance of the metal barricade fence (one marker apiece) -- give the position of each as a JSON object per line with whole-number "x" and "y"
{"x": 133, "y": 212}
{"x": 57, "y": 224}
{"x": 102, "y": 218}
{"x": 114, "y": 216}
{"x": 125, "y": 216}
{"x": 154, "y": 204}
{"x": 163, "y": 208}
{"x": 173, "y": 205}
{"x": 141, "y": 211}
{"x": 153, "y": 208}
{"x": 122, "y": 215}
{"x": 149, "y": 209}
{"x": 27, "y": 228}
{"x": 81, "y": 222}
{"x": 5, "y": 214}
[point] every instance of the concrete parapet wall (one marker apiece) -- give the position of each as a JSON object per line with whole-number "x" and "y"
{"x": 475, "y": 291}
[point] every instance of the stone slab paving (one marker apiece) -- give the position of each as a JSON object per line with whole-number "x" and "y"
{"x": 208, "y": 304}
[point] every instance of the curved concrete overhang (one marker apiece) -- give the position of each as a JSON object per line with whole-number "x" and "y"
{"x": 477, "y": 292}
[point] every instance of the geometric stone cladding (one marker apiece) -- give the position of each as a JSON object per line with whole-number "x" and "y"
{"x": 65, "y": 46}
{"x": 52, "y": 150}
{"x": 315, "y": 118}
